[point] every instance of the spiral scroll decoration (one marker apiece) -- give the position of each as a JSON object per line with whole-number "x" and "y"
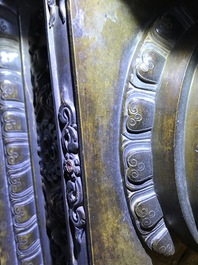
{"x": 72, "y": 171}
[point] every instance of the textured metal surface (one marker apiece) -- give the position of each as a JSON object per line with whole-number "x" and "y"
{"x": 101, "y": 33}
{"x": 63, "y": 94}
{"x": 153, "y": 80}
{"x": 23, "y": 236}
{"x": 103, "y": 43}
{"x": 98, "y": 135}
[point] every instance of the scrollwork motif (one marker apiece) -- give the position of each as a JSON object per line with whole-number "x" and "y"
{"x": 6, "y": 89}
{"x": 146, "y": 69}
{"x": 10, "y": 123}
{"x": 15, "y": 140}
{"x": 48, "y": 143}
{"x": 12, "y": 156}
{"x": 72, "y": 171}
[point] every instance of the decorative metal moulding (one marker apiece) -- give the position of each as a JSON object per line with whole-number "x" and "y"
{"x": 44, "y": 207}
{"x": 41, "y": 202}
{"x": 157, "y": 126}
{"x": 22, "y": 237}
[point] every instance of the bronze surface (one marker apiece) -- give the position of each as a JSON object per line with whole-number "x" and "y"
{"x": 98, "y": 135}
{"x": 102, "y": 34}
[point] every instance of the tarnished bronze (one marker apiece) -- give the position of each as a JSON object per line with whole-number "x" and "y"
{"x": 98, "y": 135}
{"x": 174, "y": 146}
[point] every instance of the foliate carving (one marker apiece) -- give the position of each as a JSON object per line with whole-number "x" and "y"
{"x": 50, "y": 165}
{"x": 68, "y": 134}
{"x": 72, "y": 171}
{"x": 144, "y": 79}
{"x": 47, "y": 141}
{"x": 65, "y": 237}
{"x": 52, "y": 5}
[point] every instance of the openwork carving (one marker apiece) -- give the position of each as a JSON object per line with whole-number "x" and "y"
{"x": 67, "y": 132}
{"x": 144, "y": 79}
{"x": 47, "y": 140}
{"x": 64, "y": 206}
